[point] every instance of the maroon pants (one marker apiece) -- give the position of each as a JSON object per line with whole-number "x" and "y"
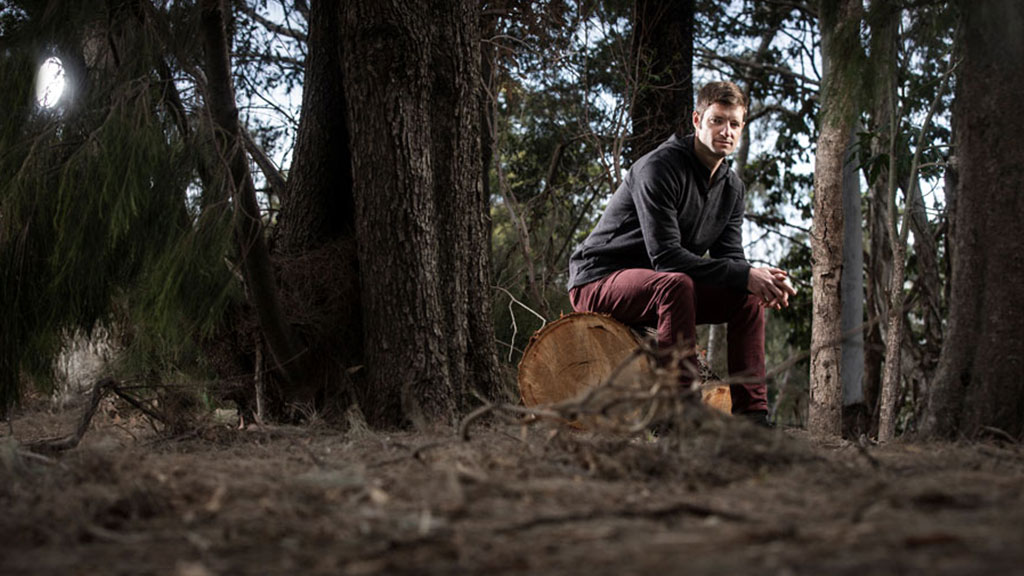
{"x": 675, "y": 304}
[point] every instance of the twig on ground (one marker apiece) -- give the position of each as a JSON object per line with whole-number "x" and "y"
{"x": 1000, "y": 434}
{"x": 139, "y": 405}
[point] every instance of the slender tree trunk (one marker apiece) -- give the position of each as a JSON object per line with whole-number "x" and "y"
{"x": 852, "y": 297}
{"x": 929, "y": 280}
{"x": 978, "y": 386}
{"x": 291, "y": 358}
{"x": 895, "y": 318}
{"x": 840, "y": 24}
{"x": 884, "y": 18}
{"x": 663, "y": 46}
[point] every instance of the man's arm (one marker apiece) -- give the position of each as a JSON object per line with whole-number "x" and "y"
{"x": 769, "y": 284}
{"x": 655, "y": 196}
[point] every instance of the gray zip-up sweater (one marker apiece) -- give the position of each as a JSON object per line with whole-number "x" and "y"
{"x": 664, "y": 217}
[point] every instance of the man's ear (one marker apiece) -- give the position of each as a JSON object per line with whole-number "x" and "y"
{"x": 696, "y": 120}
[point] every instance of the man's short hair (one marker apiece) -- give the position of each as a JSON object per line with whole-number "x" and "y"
{"x": 725, "y": 93}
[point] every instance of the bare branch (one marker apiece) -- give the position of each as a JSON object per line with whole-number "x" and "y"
{"x": 270, "y": 171}
{"x": 742, "y": 63}
{"x": 269, "y": 25}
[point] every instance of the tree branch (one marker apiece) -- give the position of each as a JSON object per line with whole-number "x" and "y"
{"x": 740, "y": 63}
{"x": 269, "y": 25}
{"x": 278, "y": 185}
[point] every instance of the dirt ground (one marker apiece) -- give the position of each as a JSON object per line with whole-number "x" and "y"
{"x": 716, "y": 496}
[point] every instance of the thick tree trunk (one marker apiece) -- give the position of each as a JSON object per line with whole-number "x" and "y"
{"x": 978, "y": 386}
{"x": 291, "y": 358}
{"x": 410, "y": 76}
{"x": 663, "y": 51}
{"x": 462, "y": 205}
{"x": 840, "y": 25}
{"x": 315, "y": 249}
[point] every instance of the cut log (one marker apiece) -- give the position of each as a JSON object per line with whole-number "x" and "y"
{"x": 580, "y": 351}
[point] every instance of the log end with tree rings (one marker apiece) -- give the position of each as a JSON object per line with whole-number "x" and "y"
{"x": 581, "y": 351}
{"x": 575, "y": 353}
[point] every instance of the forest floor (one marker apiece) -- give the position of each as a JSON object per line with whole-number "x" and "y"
{"x": 720, "y": 497}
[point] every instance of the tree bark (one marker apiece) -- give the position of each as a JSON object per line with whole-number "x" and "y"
{"x": 895, "y": 317}
{"x": 291, "y": 358}
{"x": 319, "y": 206}
{"x": 852, "y": 293}
{"x": 663, "y": 48}
{"x": 411, "y": 80}
{"x": 884, "y": 18}
{"x": 839, "y": 25}
{"x": 462, "y": 205}
{"x": 978, "y": 386}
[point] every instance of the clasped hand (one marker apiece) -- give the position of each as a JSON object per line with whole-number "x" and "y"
{"x": 771, "y": 287}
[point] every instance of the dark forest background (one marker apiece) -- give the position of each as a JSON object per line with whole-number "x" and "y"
{"x": 302, "y": 207}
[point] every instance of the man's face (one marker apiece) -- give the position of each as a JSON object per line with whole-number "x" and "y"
{"x": 720, "y": 129}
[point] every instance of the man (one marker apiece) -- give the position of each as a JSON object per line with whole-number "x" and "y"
{"x": 644, "y": 262}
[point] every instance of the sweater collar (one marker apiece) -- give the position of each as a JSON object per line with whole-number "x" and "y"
{"x": 702, "y": 172}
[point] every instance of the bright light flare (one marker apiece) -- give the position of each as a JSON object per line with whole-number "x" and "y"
{"x": 50, "y": 82}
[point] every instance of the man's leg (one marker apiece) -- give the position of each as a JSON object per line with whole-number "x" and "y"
{"x": 643, "y": 297}
{"x": 745, "y": 318}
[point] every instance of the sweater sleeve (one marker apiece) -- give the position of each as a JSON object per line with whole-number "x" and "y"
{"x": 656, "y": 195}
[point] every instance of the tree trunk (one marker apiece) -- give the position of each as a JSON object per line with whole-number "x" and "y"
{"x": 898, "y": 238}
{"x": 319, "y": 206}
{"x": 839, "y": 25}
{"x": 852, "y": 296}
{"x": 884, "y": 18}
{"x": 411, "y": 80}
{"x": 291, "y": 358}
{"x": 462, "y": 205}
{"x": 663, "y": 51}
{"x": 978, "y": 385}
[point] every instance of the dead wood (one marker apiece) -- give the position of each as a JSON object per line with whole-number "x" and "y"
{"x": 62, "y": 444}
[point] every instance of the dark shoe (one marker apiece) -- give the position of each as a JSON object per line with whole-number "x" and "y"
{"x": 757, "y": 418}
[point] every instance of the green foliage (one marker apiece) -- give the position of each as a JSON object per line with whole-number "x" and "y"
{"x": 94, "y": 223}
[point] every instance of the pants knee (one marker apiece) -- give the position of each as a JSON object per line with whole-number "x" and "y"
{"x": 676, "y": 285}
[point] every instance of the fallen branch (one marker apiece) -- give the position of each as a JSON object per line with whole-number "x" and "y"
{"x": 56, "y": 445}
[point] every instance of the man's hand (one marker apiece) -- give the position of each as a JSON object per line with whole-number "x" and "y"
{"x": 771, "y": 287}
